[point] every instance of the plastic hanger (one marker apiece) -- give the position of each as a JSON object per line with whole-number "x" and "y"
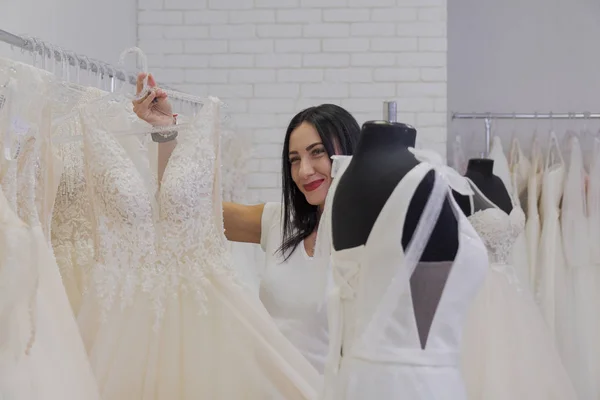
{"x": 120, "y": 95}
{"x": 15, "y": 101}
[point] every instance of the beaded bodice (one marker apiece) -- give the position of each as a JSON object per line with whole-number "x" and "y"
{"x": 499, "y": 231}
{"x": 165, "y": 251}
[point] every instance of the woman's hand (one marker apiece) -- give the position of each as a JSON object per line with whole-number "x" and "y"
{"x": 154, "y": 107}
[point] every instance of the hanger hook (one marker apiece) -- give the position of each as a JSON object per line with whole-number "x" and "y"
{"x": 80, "y": 64}
{"x": 111, "y": 77}
{"x": 88, "y": 66}
{"x": 70, "y": 56}
{"x": 44, "y": 53}
{"x": 141, "y": 58}
{"x": 34, "y": 50}
{"x": 100, "y": 68}
{"x": 93, "y": 68}
{"x": 53, "y": 56}
{"x": 27, "y": 46}
{"x": 59, "y": 52}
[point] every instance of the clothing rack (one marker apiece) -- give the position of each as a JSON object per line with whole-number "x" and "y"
{"x": 35, "y": 45}
{"x": 488, "y": 117}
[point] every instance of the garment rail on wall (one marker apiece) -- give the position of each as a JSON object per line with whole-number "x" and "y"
{"x": 488, "y": 117}
{"x": 35, "y": 45}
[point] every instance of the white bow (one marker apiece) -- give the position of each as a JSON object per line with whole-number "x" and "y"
{"x": 457, "y": 182}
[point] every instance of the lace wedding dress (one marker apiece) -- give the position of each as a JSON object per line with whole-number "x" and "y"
{"x": 514, "y": 173}
{"x": 375, "y": 348}
{"x": 165, "y": 316}
{"x": 41, "y": 353}
{"x": 508, "y": 350}
{"x": 72, "y": 226}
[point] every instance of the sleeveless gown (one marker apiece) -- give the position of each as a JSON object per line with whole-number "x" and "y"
{"x": 581, "y": 328}
{"x": 515, "y": 173}
{"x": 552, "y": 277}
{"x": 508, "y": 350}
{"x": 165, "y": 316}
{"x": 593, "y": 203}
{"x": 533, "y": 226}
{"x": 380, "y": 363}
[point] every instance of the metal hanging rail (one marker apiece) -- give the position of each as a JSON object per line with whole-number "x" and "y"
{"x": 550, "y": 115}
{"x": 488, "y": 117}
{"x": 35, "y": 45}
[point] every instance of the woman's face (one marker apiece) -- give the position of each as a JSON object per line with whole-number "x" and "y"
{"x": 310, "y": 164}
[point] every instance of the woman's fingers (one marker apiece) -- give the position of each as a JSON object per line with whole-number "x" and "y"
{"x": 140, "y": 82}
{"x": 161, "y": 94}
{"x": 149, "y": 98}
{"x": 151, "y": 81}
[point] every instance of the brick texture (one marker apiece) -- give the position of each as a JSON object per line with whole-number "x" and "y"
{"x": 268, "y": 59}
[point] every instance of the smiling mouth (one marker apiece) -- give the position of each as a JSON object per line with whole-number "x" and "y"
{"x": 313, "y": 185}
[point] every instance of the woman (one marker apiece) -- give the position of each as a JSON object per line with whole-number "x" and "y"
{"x": 286, "y": 231}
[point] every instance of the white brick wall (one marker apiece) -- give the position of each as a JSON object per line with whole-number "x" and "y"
{"x": 270, "y": 58}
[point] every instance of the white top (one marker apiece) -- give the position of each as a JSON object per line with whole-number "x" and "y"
{"x": 290, "y": 290}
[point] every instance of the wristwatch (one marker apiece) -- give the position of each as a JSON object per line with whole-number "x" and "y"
{"x": 166, "y": 136}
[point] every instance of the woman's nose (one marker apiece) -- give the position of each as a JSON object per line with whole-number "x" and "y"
{"x": 306, "y": 169}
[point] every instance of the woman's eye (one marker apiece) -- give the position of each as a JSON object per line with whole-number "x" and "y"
{"x": 293, "y": 160}
{"x": 317, "y": 152}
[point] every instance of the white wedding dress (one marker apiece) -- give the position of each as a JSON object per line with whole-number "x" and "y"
{"x": 552, "y": 278}
{"x": 372, "y": 320}
{"x": 42, "y": 356}
{"x": 165, "y": 316}
{"x": 533, "y": 226}
{"x": 582, "y": 327}
{"x": 514, "y": 172}
{"x": 508, "y": 350}
{"x": 593, "y": 204}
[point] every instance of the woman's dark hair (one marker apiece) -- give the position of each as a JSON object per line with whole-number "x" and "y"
{"x": 338, "y": 131}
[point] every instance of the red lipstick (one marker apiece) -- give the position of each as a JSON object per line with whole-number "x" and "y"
{"x": 313, "y": 185}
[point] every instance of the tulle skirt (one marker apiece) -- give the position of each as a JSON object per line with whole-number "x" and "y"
{"x": 230, "y": 350}
{"x": 508, "y": 350}
{"x": 55, "y": 366}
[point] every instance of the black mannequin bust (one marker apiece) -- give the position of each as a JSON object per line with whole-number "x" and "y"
{"x": 481, "y": 172}
{"x": 382, "y": 158}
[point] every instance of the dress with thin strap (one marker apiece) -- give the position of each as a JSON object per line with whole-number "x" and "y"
{"x": 508, "y": 350}
{"x": 395, "y": 365}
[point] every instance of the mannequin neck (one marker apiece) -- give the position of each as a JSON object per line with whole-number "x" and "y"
{"x": 377, "y": 135}
{"x": 482, "y": 166}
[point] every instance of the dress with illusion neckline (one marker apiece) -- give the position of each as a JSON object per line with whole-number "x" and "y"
{"x": 508, "y": 351}
{"x": 166, "y": 316}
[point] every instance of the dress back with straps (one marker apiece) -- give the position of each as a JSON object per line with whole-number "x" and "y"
{"x": 389, "y": 361}
{"x": 499, "y": 232}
